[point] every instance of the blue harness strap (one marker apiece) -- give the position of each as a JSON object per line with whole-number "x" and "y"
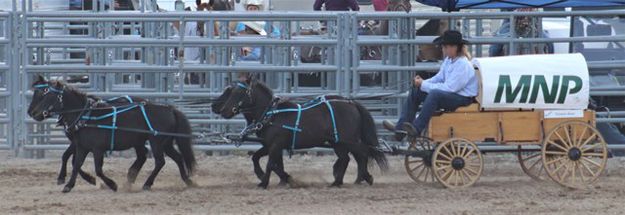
{"x": 336, "y": 133}
{"x": 295, "y": 128}
{"x": 308, "y": 105}
{"x": 147, "y": 120}
{"x": 114, "y": 124}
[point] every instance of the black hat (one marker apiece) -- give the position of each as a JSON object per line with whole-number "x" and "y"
{"x": 450, "y": 37}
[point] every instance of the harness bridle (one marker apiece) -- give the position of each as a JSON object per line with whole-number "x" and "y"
{"x": 46, "y": 88}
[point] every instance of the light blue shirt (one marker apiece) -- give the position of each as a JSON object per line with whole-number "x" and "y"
{"x": 455, "y": 76}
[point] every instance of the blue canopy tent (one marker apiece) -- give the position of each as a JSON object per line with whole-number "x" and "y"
{"x": 455, "y": 5}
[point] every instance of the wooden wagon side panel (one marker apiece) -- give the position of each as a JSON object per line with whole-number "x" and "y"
{"x": 521, "y": 126}
{"x": 474, "y": 126}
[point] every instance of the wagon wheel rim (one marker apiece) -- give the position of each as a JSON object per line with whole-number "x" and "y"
{"x": 420, "y": 168}
{"x": 457, "y": 163}
{"x": 532, "y": 164}
{"x": 575, "y": 154}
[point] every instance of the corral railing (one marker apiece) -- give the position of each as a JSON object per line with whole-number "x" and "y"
{"x": 137, "y": 53}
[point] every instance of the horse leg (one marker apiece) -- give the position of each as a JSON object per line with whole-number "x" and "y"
{"x": 69, "y": 152}
{"x": 159, "y": 162}
{"x": 177, "y": 157}
{"x": 136, "y": 166}
{"x": 284, "y": 177}
{"x": 279, "y": 170}
{"x": 275, "y": 153}
{"x": 340, "y": 166}
{"x": 256, "y": 160}
{"x": 360, "y": 155}
{"x": 98, "y": 160}
{"x": 79, "y": 158}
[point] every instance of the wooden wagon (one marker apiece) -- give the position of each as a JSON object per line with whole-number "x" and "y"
{"x": 572, "y": 152}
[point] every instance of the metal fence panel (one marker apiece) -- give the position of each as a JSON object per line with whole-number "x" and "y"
{"x": 116, "y": 53}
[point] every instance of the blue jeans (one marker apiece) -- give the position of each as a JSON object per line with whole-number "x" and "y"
{"x": 612, "y": 136}
{"x": 433, "y": 101}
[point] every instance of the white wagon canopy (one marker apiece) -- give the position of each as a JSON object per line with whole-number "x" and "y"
{"x": 558, "y": 81}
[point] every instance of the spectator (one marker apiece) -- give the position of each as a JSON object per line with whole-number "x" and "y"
{"x": 380, "y": 5}
{"x": 251, "y": 53}
{"x": 336, "y": 5}
{"x": 256, "y": 5}
{"x": 525, "y": 27}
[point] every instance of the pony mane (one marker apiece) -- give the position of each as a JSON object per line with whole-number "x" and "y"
{"x": 262, "y": 86}
{"x": 73, "y": 90}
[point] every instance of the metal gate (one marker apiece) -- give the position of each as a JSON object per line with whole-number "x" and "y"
{"x": 136, "y": 53}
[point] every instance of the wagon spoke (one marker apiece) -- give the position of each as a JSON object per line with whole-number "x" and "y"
{"x": 446, "y": 175}
{"x": 462, "y": 176}
{"x": 475, "y": 172}
{"x": 557, "y": 145}
{"x": 592, "y": 173}
{"x": 581, "y": 172}
{"x": 581, "y": 137}
{"x": 447, "y": 150}
{"x": 573, "y": 172}
{"x": 591, "y": 154}
{"x": 416, "y": 161}
{"x": 531, "y": 156}
{"x": 588, "y": 140}
{"x": 534, "y": 164}
{"x": 416, "y": 167}
{"x": 555, "y": 153}
{"x": 590, "y": 147}
{"x": 562, "y": 140}
{"x": 453, "y": 150}
{"x": 445, "y": 156}
{"x": 466, "y": 156}
{"x": 568, "y": 136}
{"x": 421, "y": 172}
{"x": 443, "y": 162}
{"x": 555, "y": 160}
{"x": 591, "y": 161}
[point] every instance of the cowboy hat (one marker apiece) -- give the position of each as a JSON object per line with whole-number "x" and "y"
{"x": 259, "y": 27}
{"x": 450, "y": 37}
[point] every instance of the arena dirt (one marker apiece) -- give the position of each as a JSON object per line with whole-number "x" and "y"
{"x": 228, "y": 186}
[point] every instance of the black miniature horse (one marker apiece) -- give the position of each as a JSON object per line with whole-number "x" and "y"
{"x": 141, "y": 151}
{"x": 52, "y": 97}
{"x": 355, "y": 126}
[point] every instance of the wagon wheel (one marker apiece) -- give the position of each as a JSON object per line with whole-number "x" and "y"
{"x": 531, "y": 163}
{"x": 420, "y": 168}
{"x": 457, "y": 163}
{"x": 575, "y": 154}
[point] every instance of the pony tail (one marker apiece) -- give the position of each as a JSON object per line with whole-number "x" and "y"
{"x": 185, "y": 145}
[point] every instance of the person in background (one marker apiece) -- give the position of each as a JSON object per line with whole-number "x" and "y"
{"x": 336, "y": 5}
{"x": 253, "y": 6}
{"x": 380, "y": 5}
{"x": 455, "y": 85}
{"x": 524, "y": 27}
{"x": 254, "y": 28}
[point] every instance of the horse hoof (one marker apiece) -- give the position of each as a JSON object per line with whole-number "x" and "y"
{"x": 336, "y": 185}
{"x": 60, "y": 181}
{"x": 67, "y": 189}
{"x": 91, "y": 181}
{"x": 191, "y": 184}
{"x": 113, "y": 187}
{"x": 147, "y": 188}
{"x": 369, "y": 180}
{"x": 283, "y": 183}
{"x": 263, "y": 185}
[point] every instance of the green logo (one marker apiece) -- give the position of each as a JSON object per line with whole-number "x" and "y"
{"x": 529, "y": 90}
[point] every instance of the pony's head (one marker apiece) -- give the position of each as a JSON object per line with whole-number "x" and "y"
{"x": 236, "y": 97}
{"x": 47, "y": 98}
